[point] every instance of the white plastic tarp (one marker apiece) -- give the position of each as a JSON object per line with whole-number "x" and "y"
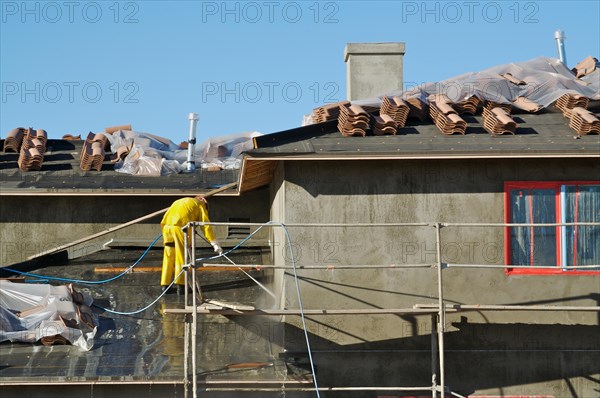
{"x": 151, "y": 155}
{"x": 30, "y": 312}
{"x": 546, "y": 80}
{"x": 225, "y": 152}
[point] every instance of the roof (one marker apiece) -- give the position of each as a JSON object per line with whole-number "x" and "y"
{"x": 537, "y": 108}
{"x": 534, "y": 88}
{"x": 61, "y": 174}
{"x": 537, "y": 135}
{"x": 148, "y": 347}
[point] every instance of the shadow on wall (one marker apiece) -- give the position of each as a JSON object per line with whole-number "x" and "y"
{"x": 477, "y": 357}
{"x": 433, "y": 176}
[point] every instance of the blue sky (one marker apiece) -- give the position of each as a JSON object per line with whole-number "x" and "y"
{"x": 71, "y": 67}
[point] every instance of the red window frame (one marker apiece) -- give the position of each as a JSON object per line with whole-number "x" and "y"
{"x": 511, "y": 185}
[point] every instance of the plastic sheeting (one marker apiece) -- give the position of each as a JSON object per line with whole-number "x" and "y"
{"x": 545, "y": 80}
{"x": 36, "y": 312}
{"x": 225, "y": 152}
{"x": 150, "y": 155}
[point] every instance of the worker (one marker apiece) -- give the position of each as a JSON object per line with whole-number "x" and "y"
{"x": 181, "y": 212}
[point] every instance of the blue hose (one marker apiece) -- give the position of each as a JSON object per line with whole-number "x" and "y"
{"x": 146, "y": 307}
{"x": 68, "y": 280}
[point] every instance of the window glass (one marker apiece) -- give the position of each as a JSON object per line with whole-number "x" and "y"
{"x": 530, "y": 245}
{"x": 581, "y": 243}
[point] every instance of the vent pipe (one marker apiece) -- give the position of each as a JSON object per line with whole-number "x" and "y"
{"x": 560, "y": 37}
{"x": 191, "y": 165}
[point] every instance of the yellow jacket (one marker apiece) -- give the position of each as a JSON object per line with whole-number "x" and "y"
{"x": 184, "y": 210}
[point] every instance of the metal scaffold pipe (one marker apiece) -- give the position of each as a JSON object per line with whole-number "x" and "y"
{"x": 265, "y": 389}
{"x": 436, "y": 310}
{"x": 312, "y": 312}
{"x": 321, "y": 267}
{"x": 441, "y": 308}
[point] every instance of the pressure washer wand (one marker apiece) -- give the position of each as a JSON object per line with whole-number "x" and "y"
{"x": 263, "y": 287}
{"x": 250, "y": 276}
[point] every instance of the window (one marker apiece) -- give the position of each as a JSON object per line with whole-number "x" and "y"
{"x": 552, "y": 246}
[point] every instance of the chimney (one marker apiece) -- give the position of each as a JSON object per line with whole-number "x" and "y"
{"x": 373, "y": 69}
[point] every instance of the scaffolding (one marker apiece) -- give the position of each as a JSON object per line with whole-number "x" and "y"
{"x": 437, "y": 310}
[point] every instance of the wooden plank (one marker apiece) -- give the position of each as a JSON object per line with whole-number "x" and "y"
{"x": 230, "y": 305}
{"x": 256, "y": 173}
{"x": 121, "y": 226}
{"x": 14, "y": 279}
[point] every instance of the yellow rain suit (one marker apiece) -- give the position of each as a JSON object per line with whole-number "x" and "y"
{"x": 181, "y": 212}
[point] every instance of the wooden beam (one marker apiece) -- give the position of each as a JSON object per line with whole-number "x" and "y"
{"x": 121, "y": 226}
{"x": 256, "y": 173}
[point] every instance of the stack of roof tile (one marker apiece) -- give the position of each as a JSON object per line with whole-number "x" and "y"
{"x": 469, "y": 105}
{"x": 114, "y": 129}
{"x": 396, "y": 108}
{"x": 14, "y": 139}
{"x": 527, "y": 105}
{"x": 585, "y": 67}
{"x": 569, "y": 101}
{"x": 327, "y": 112}
{"x": 417, "y": 108}
{"x": 70, "y": 137}
{"x": 583, "y": 121}
{"x": 383, "y": 124}
{"x": 498, "y": 121}
{"x": 353, "y": 120}
{"x": 493, "y": 104}
{"x": 41, "y": 135}
{"x": 29, "y": 142}
{"x": 33, "y": 147}
{"x": 121, "y": 153}
{"x": 509, "y": 76}
{"x": 99, "y": 137}
{"x": 92, "y": 154}
{"x": 57, "y": 339}
{"x": 444, "y": 116}
{"x": 31, "y": 156}
{"x": 370, "y": 108}
{"x": 439, "y": 104}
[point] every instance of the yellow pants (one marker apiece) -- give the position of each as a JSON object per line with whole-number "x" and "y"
{"x": 173, "y": 256}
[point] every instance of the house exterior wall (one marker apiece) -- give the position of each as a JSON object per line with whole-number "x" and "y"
{"x": 489, "y": 352}
{"x": 32, "y": 224}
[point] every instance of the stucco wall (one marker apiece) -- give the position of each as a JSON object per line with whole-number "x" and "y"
{"x": 452, "y": 191}
{"x": 32, "y": 224}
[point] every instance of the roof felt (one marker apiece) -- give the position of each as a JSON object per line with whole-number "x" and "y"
{"x": 537, "y": 135}
{"x": 61, "y": 173}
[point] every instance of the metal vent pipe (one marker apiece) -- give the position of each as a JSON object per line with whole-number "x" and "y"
{"x": 560, "y": 37}
{"x": 191, "y": 165}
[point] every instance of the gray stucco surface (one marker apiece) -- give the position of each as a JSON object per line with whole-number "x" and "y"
{"x": 491, "y": 352}
{"x": 32, "y": 224}
{"x": 373, "y": 69}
